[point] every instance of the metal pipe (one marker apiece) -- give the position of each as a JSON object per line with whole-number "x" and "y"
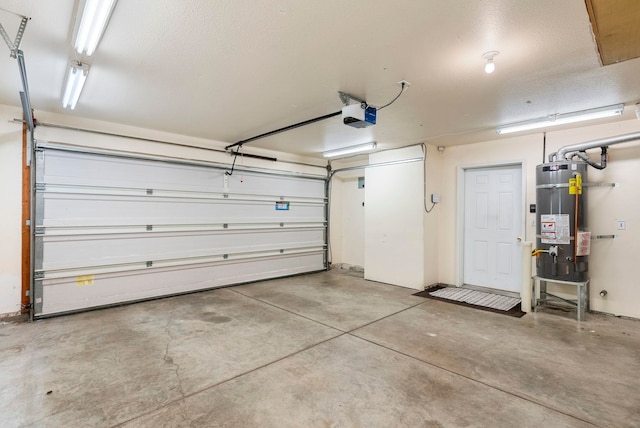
{"x": 587, "y": 159}
{"x": 581, "y": 147}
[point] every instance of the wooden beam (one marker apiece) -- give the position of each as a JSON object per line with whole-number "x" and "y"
{"x": 26, "y": 229}
{"x": 616, "y": 28}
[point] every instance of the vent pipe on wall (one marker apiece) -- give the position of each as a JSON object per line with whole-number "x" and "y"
{"x": 568, "y": 152}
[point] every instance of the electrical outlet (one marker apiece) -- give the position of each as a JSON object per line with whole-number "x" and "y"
{"x": 622, "y": 225}
{"x": 435, "y": 198}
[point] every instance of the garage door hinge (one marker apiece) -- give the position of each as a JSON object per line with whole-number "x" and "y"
{"x": 149, "y": 191}
{"x": 149, "y": 264}
{"x": 39, "y": 230}
{"x": 149, "y": 227}
{"x": 38, "y": 275}
{"x": 225, "y": 256}
{"x": 40, "y": 186}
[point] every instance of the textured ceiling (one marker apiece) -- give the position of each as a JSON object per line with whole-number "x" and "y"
{"x": 228, "y": 70}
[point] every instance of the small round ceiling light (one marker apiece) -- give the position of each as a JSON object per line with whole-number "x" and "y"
{"x": 490, "y": 66}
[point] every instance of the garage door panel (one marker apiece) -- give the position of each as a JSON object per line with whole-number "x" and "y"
{"x": 70, "y": 168}
{"x": 70, "y": 294}
{"x": 113, "y": 228}
{"x": 64, "y": 252}
{"x": 243, "y": 184}
{"x": 87, "y": 210}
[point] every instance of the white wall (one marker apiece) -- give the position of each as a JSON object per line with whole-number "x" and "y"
{"x": 394, "y": 220}
{"x": 353, "y": 221}
{"x": 347, "y": 213}
{"x": 11, "y": 211}
{"x": 612, "y": 262}
{"x": 527, "y": 149}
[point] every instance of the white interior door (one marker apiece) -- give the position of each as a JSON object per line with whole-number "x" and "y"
{"x": 492, "y": 227}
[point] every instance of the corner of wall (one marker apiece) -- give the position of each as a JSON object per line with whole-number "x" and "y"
{"x": 433, "y": 165}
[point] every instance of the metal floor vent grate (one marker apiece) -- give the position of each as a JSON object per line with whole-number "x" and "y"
{"x": 478, "y": 298}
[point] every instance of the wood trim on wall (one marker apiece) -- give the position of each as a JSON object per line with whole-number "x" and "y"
{"x": 26, "y": 228}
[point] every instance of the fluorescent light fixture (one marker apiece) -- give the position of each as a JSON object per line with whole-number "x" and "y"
{"x": 76, "y": 77}
{"x": 350, "y": 150}
{"x": 561, "y": 119}
{"x": 93, "y": 21}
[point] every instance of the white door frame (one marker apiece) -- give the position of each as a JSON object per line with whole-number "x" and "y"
{"x": 460, "y": 209}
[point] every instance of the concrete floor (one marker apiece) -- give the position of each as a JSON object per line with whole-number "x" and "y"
{"x": 321, "y": 350}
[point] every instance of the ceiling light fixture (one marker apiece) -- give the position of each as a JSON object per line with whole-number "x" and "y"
{"x": 93, "y": 21}
{"x": 490, "y": 66}
{"x": 561, "y": 119}
{"x": 360, "y": 148}
{"x": 76, "y": 76}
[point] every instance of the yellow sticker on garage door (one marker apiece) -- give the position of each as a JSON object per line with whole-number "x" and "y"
{"x": 83, "y": 280}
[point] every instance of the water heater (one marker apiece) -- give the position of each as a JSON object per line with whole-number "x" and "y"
{"x": 562, "y": 237}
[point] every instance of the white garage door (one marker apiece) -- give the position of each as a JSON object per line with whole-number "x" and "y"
{"x": 114, "y": 228}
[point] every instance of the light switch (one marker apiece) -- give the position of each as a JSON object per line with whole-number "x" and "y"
{"x": 622, "y": 225}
